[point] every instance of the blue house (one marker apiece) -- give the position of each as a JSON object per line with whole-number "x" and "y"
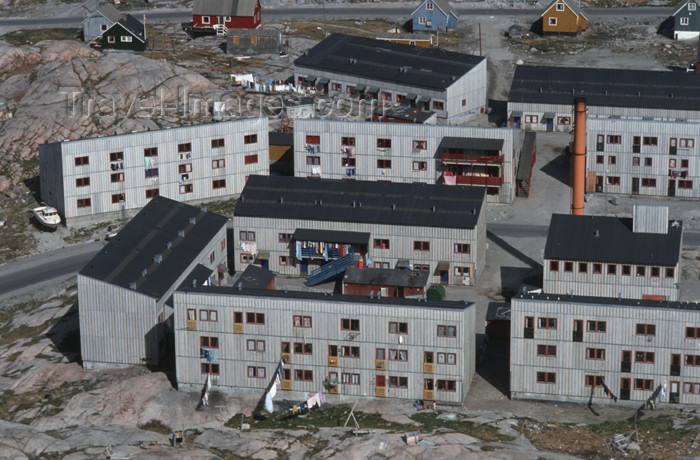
{"x": 434, "y": 15}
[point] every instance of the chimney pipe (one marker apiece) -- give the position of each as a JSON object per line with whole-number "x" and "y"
{"x": 578, "y": 166}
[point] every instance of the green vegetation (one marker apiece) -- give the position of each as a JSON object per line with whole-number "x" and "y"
{"x": 221, "y": 207}
{"x": 156, "y": 426}
{"x": 12, "y": 403}
{"x": 32, "y": 37}
{"x": 485, "y": 432}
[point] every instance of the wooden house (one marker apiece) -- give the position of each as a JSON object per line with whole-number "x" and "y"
{"x": 563, "y": 17}
{"x": 686, "y": 22}
{"x": 99, "y": 21}
{"x": 435, "y": 16}
{"x": 127, "y": 34}
{"x": 217, "y": 16}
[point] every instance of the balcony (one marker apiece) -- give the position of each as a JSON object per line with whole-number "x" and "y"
{"x": 286, "y": 358}
{"x": 626, "y": 366}
{"x": 380, "y": 364}
{"x": 473, "y": 180}
{"x": 470, "y": 158}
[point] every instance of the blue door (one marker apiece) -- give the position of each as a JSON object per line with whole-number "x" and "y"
{"x": 550, "y": 124}
{"x": 304, "y": 267}
{"x": 265, "y": 264}
{"x": 444, "y": 276}
{"x": 516, "y": 122}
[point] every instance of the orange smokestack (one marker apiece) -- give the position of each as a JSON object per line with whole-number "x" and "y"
{"x": 578, "y": 167}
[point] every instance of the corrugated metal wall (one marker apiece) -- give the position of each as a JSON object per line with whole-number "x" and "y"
{"x": 169, "y": 178}
{"x": 234, "y": 358}
{"x": 571, "y": 364}
{"x": 402, "y": 155}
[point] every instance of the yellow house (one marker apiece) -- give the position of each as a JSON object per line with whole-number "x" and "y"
{"x": 563, "y": 17}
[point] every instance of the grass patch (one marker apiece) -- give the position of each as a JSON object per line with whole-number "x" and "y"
{"x": 32, "y": 37}
{"x": 11, "y": 404}
{"x": 430, "y": 422}
{"x": 328, "y": 417}
{"x": 656, "y": 434}
{"x": 156, "y": 426}
{"x": 13, "y": 357}
{"x": 221, "y": 207}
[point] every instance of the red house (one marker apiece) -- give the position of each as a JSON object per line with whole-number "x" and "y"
{"x": 217, "y": 16}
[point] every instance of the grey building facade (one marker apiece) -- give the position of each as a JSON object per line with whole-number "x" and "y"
{"x": 451, "y": 84}
{"x": 596, "y": 256}
{"x": 294, "y": 225}
{"x": 541, "y": 98}
{"x": 125, "y": 292}
{"x": 565, "y": 348}
{"x": 387, "y": 348}
{"x": 641, "y": 156}
{"x": 409, "y": 153}
{"x": 111, "y": 176}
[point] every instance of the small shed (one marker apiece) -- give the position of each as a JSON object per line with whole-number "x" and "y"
{"x": 385, "y": 282}
{"x": 254, "y": 41}
{"x": 254, "y": 277}
{"x": 424, "y": 40}
{"x": 515, "y": 31}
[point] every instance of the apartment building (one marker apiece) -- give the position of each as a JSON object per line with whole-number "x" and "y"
{"x": 125, "y": 291}
{"x": 541, "y": 98}
{"x": 339, "y": 344}
{"x": 410, "y": 153}
{"x": 599, "y": 256}
{"x": 293, "y": 225}
{"x": 451, "y": 84}
{"x": 643, "y": 156}
{"x": 111, "y": 176}
{"x": 570, "y": 348}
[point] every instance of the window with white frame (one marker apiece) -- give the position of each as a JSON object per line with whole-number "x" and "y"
{"x": 126, "y": 38}
{"x": 552, "y": 21}
{"x": 421, "y": 20}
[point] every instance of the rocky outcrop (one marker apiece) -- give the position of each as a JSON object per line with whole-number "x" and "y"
{"x": 76, "y": 91}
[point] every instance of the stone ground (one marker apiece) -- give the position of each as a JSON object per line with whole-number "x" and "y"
{"x": 51, "y": 408}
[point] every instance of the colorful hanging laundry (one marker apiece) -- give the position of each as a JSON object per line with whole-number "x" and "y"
{"x": 608, "y": 392}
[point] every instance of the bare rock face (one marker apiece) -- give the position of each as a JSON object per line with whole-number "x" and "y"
{"x": 81, "y": 92}
{"x": 15, "y": 57}
{"x": 5, "y": 184}
{"x": 64, "y": 50}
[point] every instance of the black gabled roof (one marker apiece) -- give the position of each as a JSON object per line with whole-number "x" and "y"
{"x": 131, "y": 25}
{"x": 383, "y": 60}
{"x": 197, "y": 277}
{"x": 614, "y": 301}
{"x": 147, "y": 235}
{"x": 331, "y": 300}
{"x": 574, "y": 238}
{"x": 606, "y": 87}
{"x": 254, "y": 277}
{"x": 374, "y": 202}
{"x": 386, "y": 277}
{"x": 471, "y": 143}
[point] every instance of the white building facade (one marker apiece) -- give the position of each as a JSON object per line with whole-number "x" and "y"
{"x": 409, "y": 153}
{"x": 111, "y": 176}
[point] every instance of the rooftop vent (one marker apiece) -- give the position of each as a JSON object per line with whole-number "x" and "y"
{"x": 240, "y": 286}
{"x": 194, "y": 283}
{"x": 433, "y": 208}
{"x": 158, "y": 258}
{"x": 203, "y": 209}
{"x": 286, "y": 288}
{"x": 181, "y": 233}
{"x": 352, "y": 61}
{"x": 393, "y": 207}
{"x": 242, "y": 199}
{"x": 132, "y": 286}
{"x": 281, "y": 200}
{"x": 474, "y": 211}
{"x": 671, "y": 95}
{"x": 169, "y": 244}
{"x": 596, "y": 233}
{"x": 371, "y": 294}
{"x": 144, "y": 272}
{"x": 192, "y": 220}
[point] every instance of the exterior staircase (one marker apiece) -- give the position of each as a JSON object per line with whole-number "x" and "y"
{"x": 333, "y": 268}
